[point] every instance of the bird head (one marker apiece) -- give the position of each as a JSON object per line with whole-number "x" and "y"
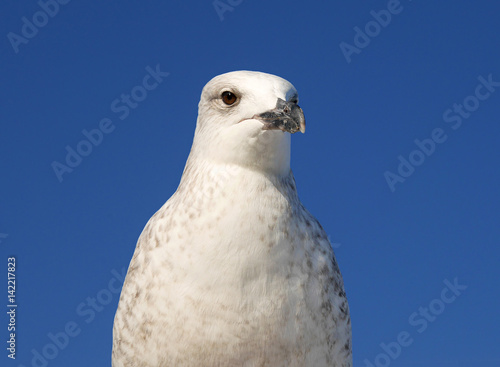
{"x": 246, "y": 118}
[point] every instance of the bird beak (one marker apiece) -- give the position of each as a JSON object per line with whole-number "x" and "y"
{"x": 287, "y": 116}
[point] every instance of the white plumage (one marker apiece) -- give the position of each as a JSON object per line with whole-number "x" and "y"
{"x": 233, "y": 270}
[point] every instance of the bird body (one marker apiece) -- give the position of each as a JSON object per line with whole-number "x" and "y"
{"x": 233, "y": 270}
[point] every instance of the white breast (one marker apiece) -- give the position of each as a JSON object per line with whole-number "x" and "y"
{"x": 235, "y": 273}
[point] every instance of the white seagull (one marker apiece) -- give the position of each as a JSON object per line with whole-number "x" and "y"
{"x": 233, "y": 270}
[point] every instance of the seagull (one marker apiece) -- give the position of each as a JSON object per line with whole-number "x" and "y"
{"x": 233, "y": 270}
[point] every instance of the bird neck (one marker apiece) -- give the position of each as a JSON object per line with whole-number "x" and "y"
{"x": 267, "y": 152}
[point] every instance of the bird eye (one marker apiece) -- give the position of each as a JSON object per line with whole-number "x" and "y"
{"x": 228, "y": 98}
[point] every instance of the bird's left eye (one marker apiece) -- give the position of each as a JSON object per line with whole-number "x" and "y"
{"x": 228, "y": 98}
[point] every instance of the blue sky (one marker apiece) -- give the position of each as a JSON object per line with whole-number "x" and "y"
{"x": 399, "y": 163}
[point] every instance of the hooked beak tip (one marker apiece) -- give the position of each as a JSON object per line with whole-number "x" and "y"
{"x": 287, "y": 116}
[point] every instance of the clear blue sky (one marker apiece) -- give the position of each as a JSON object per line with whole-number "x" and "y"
{"x": 408, "y": 218}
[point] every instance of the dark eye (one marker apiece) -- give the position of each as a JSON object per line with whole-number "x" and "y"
{"x": 228, "y": 98}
